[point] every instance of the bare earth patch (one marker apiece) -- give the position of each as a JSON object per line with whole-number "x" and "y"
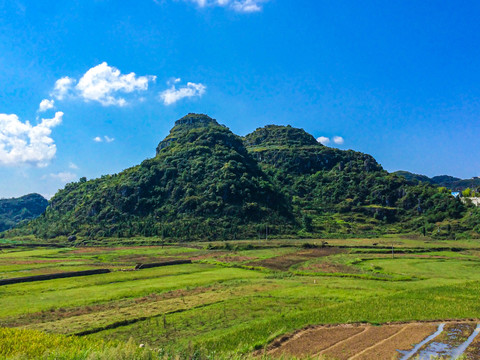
{"x": 366, "y": 342}
{"x": 312, "y": 341}
{"x": 284, "y": 262}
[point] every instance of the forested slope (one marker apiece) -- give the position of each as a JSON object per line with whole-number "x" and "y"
{"x": 16, "y": 210}
{"x": 207, "y": 183}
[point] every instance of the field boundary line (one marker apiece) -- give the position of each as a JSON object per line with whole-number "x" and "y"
{"x": 341, "y": 341}
{"x": 378, "y": 343}
{"x": 120, "y": 323}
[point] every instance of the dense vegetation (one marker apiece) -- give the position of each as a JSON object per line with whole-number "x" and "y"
{"x": 202, "y": 183}
{"x": 337, "y": 191}
{"x": 206, "y": 182}
{"x": 447, "y": 181}
{"x": 16, "y": 210}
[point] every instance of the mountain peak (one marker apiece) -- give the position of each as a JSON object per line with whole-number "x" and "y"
{"x": 196, "y": 119}
{"x": 280, "y": 136}
{"x": 186, "y": 124}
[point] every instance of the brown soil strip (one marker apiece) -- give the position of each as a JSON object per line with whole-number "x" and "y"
{"x": 315, "y": 340}
{"x": 362, "y": 353}
{"x": 405, "y": 340}
{"x": 284, "y": 262}
{"x": 339, "y": 343}
{"x": 371, "y": 336}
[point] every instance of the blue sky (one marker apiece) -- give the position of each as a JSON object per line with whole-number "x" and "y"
{"x": 89, "y": 87}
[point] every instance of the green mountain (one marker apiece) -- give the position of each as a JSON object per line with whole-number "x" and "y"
{"x": 336, "y": 191}
{"x": 201, "y": 184}
{"x": 415, "y": 178}
{"x": 16, "y": 210}
{"x": 206, "y": 183}
{"x": 450, "y": 182}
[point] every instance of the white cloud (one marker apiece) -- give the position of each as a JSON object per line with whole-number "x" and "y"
{"x": 62, "y": 87}
{"x": 244, "y": 6}
{"x": 338, "y": 140}
{"x": 73, "y": 166}
{"x": 46, "y": 104}
{"x": 172, "y": 95}
{"x": 323, "y": 140}
{"x": 247, "y": 6}
{"x": 64, "y": 176}
{"x": 102, "y": 83}
{"x": 22, "y": 143}
{"x": 106, "y": 138}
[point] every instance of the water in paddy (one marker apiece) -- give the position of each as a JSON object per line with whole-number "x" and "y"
{"x": 451, "y": 348}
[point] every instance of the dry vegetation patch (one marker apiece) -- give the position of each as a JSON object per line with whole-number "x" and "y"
{"x": 284, "y": 262}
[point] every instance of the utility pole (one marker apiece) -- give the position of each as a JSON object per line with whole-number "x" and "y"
{"x": 266, "y": 232}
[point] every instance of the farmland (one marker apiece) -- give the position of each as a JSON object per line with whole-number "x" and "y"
{"x": 235, "y": 299}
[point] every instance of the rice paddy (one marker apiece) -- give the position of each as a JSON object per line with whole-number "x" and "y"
{"x": 233, "y": 300}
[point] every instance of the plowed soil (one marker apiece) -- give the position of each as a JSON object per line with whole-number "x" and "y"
{"x": 284, "y": 262}
{"x": 357, "y": 341}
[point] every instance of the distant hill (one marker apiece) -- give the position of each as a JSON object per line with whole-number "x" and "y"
{"x": 348, "y": 192}
{"x": 16, "y": 210}
{"x": 207, "y": 183}
{"x": 450, "y": 182}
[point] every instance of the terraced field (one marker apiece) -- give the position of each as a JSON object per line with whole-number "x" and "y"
{"x": 244, "y": 299}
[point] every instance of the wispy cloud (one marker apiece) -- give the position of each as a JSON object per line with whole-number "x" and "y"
{"x": 73, "y": 166}
{"x": 22, "y": 143}
{"x": 106, "y": 138}
{"x": 62, "y": 87}
{"x": 174, "y": 94}
{"x": 64, "y": 176}
{"x": 103, "y": 84}
{"x": 242, "y": 6}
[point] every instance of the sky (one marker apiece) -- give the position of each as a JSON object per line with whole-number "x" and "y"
{"x": 90, "y": 87}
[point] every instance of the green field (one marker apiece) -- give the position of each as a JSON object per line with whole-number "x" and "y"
{"x": 234, "y": 298}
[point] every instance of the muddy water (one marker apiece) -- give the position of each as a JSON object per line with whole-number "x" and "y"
{"x": 461, "y": 349}
{"x": 448, "y": 346}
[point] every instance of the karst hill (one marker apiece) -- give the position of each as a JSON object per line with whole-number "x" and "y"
{"x": 205, "y": 182}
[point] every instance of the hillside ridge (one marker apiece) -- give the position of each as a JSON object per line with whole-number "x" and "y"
{"x": 207, "y": 183}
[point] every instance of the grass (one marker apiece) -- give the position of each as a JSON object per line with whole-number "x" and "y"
{"x": 227, "y": 303}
